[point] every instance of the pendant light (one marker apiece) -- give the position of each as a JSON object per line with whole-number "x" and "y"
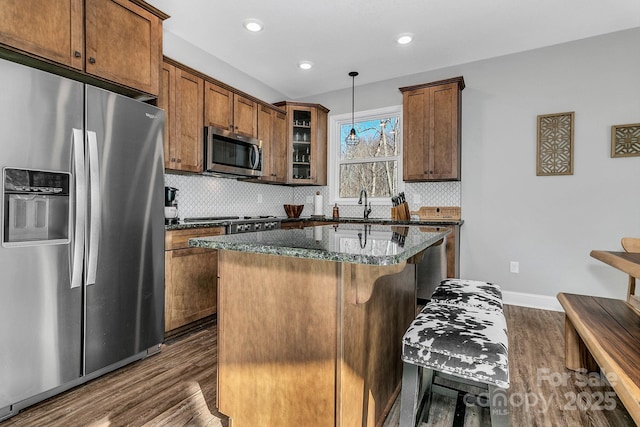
{"x": 352, "y": 138}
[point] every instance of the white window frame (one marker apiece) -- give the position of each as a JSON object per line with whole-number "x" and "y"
{"x": 335, "y": 122}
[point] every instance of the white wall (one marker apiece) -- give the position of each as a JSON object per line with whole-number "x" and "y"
{"x": 548, "y": 224}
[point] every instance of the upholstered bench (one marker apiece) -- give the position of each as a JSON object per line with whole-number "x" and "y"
{"x": 464, "y": 344}
{"x": 468, "y": 293}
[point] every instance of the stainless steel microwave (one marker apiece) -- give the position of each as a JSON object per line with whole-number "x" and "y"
{"x": 227, "y": 153}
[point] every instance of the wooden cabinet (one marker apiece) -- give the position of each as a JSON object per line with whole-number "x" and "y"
{"x": 226, "y": 109}
{"x": 432, "y": 130}
{"x": 272, "y": 131}
{"x": 51, "y": 29}
{"x": 307, "y": 143}
{"x": 116, "y": 40}
{"x": 191, "y": 278}
{"x": 182, "y": 98}
{"x": 129, "y": 52}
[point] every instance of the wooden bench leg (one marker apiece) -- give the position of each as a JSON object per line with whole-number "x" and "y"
{"x": 576, "y": 354}
{"x": 499, "y": 406}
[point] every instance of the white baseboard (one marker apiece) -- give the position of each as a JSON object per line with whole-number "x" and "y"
{"x": 543, "y": 302}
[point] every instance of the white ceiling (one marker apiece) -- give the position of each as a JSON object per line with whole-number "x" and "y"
{"x": 339, "y": 36}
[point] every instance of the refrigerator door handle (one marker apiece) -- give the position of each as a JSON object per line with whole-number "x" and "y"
{"x": 80, "y": 211}
{"x": 95, "y": 206}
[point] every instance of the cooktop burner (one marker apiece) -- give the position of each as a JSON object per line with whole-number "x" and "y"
{"x": 244, "y": 224}
{"x": 210, "y": 218}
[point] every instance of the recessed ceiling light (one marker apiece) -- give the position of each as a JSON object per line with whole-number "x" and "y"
{"x": 253, "y": 25}
{"x": 405, "y": 38}
{"x": 305, "y": 65}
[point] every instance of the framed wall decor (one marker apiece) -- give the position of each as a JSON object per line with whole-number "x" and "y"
{"x": 555, "y": 144}
{"x": 625, "y": 140}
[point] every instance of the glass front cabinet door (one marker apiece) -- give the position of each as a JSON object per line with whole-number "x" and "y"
{"x": 307, "y": 143}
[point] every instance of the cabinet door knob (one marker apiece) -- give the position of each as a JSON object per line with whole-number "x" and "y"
{"x": 92, "y": 60}
{"x": 179, "y": 160}
{"x": 77, "y": 54}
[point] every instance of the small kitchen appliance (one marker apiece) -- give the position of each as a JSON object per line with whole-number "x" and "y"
{"x": 170, "y": 206}
{"x": 228, "y": 154}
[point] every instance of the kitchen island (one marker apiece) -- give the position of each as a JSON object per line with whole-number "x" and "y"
{"x": 310, "y": 322}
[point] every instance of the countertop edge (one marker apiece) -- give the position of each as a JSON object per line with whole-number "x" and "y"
{"x": 217, "y": 242}
{"x": 345, "y": 220}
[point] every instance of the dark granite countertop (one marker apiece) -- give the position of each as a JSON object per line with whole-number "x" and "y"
{"x": 373, "y": 244}
{"x": 344, "y": 220}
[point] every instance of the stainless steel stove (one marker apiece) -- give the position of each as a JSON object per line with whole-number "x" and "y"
{"x": 246, "y": 224}
{"x": 249, "y": 224}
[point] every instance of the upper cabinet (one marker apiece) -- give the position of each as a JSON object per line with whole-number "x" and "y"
{"x": 307, "y": 143}
{"x": 123, "y": 43}
{"x": 228, "y": 110}
{"x": 432, "y": 131}
{"x": 272, "y": 132}
{"x": 182, "y": 99}
{"x": 116, "y": 40}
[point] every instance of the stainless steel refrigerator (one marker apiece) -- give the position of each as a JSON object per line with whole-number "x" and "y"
{"x": 82, "y": 242}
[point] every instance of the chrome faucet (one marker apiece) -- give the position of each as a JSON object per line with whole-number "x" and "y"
{"x": 367, "y": 210}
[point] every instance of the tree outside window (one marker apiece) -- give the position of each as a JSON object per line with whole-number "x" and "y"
{"x": 373, "y": 162}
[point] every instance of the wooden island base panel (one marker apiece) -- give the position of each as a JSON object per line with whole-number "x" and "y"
{"x": 307, "y": 342}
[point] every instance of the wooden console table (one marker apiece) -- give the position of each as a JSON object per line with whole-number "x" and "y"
{"x": 605, "y": 333}
{"x": 627, "y": 262}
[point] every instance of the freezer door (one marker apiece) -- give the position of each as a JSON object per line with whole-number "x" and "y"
{"x": 40, "y": 312}
{"x": 125, "y": 234}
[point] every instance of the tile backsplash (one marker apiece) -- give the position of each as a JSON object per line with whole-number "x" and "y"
{"x": 200, "y": 195}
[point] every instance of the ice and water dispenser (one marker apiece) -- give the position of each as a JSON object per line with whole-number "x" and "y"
{"x": 36, "y": 207}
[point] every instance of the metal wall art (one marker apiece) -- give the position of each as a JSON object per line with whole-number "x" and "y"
{"x": 625, "y": 140}
{"x": 555, "y": 144}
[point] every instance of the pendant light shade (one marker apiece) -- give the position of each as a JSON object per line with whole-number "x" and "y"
{"x": 352, "y": 138}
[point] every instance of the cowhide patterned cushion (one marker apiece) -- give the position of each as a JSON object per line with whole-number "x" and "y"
{"x": 468, "y": 293}
{"x": 466, "y": 342}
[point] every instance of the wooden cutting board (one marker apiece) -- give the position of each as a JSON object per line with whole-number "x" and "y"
{"x": 438, "y": 213}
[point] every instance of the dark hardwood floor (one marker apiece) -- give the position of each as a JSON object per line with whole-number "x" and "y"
{"x": 177, "y": 387}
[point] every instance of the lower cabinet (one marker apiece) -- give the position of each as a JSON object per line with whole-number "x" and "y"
{"x": 191, "y": 278}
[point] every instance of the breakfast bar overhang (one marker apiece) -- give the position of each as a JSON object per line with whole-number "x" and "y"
{"x": 310, "y": 322}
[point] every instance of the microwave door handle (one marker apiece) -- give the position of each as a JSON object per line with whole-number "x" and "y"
{"x": 80, "y": 210}
{"x": 95, "y": 206}
{"x": 256, "y": 157}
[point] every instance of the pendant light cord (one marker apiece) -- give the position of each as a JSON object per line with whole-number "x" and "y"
{"x": 353, "y": 137}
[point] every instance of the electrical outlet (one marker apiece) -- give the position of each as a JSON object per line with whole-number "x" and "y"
{"x": 259, "y": 198}
{"x": 514, "y": 267}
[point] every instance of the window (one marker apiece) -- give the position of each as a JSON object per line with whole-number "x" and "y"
{"x": 373, "y": 163}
